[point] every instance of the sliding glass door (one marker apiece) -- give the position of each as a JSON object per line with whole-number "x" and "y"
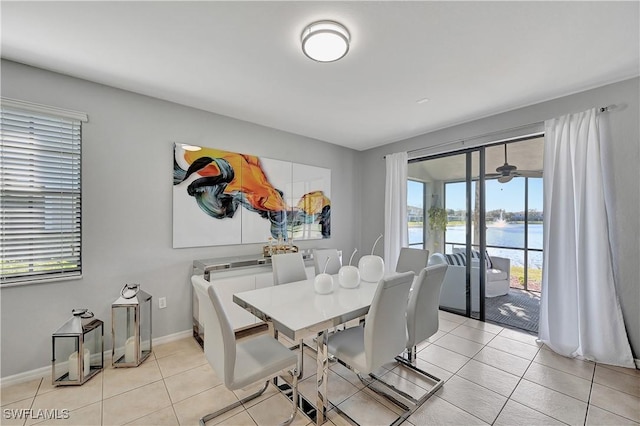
{"x": 450, "y": 215}
{"x": 475, "y": 206}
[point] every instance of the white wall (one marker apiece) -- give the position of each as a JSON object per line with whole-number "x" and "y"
{"x": 625, "y": 157}
{"x": 127, "y": 198}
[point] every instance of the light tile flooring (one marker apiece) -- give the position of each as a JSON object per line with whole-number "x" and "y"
{"x": 494, "y": 376}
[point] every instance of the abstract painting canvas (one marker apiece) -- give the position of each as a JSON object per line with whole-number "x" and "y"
{"x": 311, "y": 193}
{"x": 222, "y": 198}
{"x": 255, "y": 229}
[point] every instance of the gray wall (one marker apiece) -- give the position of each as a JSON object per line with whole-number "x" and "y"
{"x": 624, "y": 157}
{"x": 127, "y": 150}
{"x": 127, "y": 190}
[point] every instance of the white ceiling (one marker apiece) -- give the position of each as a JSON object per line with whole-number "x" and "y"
{"x": 243, "y": 59}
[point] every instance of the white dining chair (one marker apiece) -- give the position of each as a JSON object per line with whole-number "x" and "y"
{"x": 288, "y": 268}
{"x": 368, "y": 347}
{"x": 365, "y": 349}
{"x": 423, "y": 321}
{"x": 412, "y": 259}
{"x": 320, "y": 257}
{"x": 242, "y": 363}
{"x": 423, "y": 306}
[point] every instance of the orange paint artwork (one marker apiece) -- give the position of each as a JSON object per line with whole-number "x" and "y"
{"x": 226, "y": 180}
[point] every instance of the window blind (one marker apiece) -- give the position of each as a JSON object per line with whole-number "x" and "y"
{"x": 40, "y": 186}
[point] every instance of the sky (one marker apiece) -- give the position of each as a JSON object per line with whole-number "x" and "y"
{"x": 507, "y": 196}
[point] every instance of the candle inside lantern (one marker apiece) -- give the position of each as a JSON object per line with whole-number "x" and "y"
{"x": 130, "y": 349}
{"x": 73, "y": 364}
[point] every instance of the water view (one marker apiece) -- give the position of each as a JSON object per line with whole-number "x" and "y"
{"x": 507, "y": 235}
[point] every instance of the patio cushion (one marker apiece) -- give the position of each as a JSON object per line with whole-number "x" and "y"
{"x": 475, "y": 254}
{"x": 496, "y": 275}
{"x": 457, "y": 259}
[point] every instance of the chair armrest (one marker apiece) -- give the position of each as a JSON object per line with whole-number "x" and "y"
{"x": 437, "y": 259}
{"x": 502, "y": 263}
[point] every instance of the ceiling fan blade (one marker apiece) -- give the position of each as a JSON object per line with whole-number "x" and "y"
{"x": 528, "y": 173}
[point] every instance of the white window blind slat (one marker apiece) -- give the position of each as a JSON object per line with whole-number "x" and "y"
{"x": 40, "y": 186}
{"x": 18, "y": 148}
{"x": 46, "y": 133}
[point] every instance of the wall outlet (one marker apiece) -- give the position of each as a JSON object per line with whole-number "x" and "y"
{"x": 162, "y": 302}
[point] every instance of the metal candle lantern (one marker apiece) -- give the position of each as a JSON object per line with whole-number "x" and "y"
{"x": 131, "y": 327}
{"x": 77, "y": 349}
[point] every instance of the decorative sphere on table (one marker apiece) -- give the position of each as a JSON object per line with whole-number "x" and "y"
{"x": 349, "y": 277}
{"x": 371, "y": 266}
{"x": 323, "y": 283}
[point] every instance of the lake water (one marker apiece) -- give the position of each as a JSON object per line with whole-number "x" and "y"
{"x": 508, "y": 235}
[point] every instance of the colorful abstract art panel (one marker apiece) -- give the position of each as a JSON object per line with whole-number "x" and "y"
{"x": 222, "y": 198}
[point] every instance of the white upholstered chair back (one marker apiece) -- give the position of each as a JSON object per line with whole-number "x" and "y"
{"x": 240, "y": 363}
{"x": 424, "y": 300}
{"x": 288, "y": 268}
{"x": 320, "y": 257}
{"x": 385, "y": 333}
{"x": 412, "y": 259}
{"x": 219, "y": 340}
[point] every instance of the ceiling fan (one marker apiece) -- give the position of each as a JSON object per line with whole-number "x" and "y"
{"x": 507, "y": 171}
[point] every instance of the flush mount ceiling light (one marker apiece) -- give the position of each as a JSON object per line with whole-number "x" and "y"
{"x": 325, "y": 41}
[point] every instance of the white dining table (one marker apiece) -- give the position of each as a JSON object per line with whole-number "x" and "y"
{"x": 297, "y": 311}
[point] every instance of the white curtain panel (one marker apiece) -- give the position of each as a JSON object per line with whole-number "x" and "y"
{"x": 580, "y": 314}
{"x": 395, "y": 210}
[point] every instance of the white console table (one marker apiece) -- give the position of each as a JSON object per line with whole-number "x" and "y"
{"x": 234, "y": 275}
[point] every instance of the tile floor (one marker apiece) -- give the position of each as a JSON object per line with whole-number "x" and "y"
{"x": 494, "y": 376}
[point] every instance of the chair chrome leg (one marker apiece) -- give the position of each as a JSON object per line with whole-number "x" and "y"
{"x": 374, "y": 379}
{"x": 411, "y": 355}
{"x": 294, "y": 399}
{"x": 254, "y": 395}
{"x": 403, "y": 400}
{"x": 409, "y": 362}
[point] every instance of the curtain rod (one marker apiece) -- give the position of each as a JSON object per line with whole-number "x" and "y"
{"x": 500, "y": 132}
{"x": 486, "y": 135}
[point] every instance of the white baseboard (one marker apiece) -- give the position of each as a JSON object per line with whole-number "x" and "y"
{"x": 172, "y": 337}
{"x": 38, "y": 373}
{"x": 45, "y": 372}
{"x": 637, "y": 361}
